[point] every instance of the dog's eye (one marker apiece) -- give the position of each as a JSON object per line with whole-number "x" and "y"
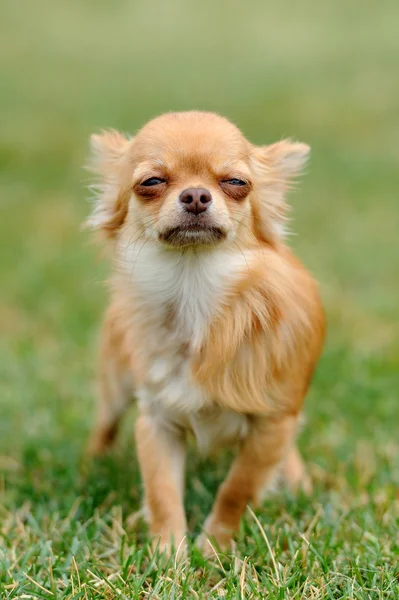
{"x": 235, "y": 181}
{"x": 236, "y": 188}
{"x": 153, "y": 181}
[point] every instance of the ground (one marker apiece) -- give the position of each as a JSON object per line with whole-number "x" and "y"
{"x": 323, "y": 73}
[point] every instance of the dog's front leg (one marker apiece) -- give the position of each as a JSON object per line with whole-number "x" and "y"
{"x": 255, "y": 467}
{"x": 161, "y": 452}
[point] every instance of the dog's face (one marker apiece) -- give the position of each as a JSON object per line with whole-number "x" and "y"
{"x": 192, "y": 179}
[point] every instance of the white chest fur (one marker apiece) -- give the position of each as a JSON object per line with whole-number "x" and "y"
{"x": 190, "y": 282}
{"x": 190, "y": 286}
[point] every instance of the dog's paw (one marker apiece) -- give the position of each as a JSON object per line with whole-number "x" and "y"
{"x": 214, "y": 539}
{"x": 306, "y": 485}
{"x": 301, "y": 485}
{"x": 100, "y": 443}
{"x": 206, "y": 546}
{"x": 165, "y": 546}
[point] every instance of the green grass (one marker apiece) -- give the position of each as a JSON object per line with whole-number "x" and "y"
{"x": 323, "y": 73}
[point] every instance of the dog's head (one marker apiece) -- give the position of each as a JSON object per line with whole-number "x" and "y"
{"x": 191, "y": 179}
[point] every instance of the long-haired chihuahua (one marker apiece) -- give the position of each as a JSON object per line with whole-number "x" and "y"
{"x": 213, "y": 325}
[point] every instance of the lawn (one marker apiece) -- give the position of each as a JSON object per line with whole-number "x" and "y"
{"x": 323, "y": 73}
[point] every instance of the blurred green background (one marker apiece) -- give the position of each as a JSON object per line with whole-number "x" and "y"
{"x": 324, "y": 73}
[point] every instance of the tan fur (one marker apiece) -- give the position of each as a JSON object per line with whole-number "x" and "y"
{"x": 215, "y": 330}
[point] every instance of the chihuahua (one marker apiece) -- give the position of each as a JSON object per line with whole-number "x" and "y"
{"x": 213, "y": 325}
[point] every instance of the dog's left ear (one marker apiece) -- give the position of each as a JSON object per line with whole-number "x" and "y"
{"x": 275, "y": 168}
{"x": 107, "y": 161}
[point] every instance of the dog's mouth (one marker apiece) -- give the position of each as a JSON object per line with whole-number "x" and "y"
{"x": 192, "y": 234}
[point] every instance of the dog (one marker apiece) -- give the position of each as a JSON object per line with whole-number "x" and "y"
{"x": 213, "y": 325}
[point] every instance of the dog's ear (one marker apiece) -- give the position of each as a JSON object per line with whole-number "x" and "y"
{"x": 107, "y": 162}
{"x": 275, "y": 168}
{"x": 106, "y": 151}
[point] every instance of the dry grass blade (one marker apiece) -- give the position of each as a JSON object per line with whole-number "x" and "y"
{"x": 263, "y": 533}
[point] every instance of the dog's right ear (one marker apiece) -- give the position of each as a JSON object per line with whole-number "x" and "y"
{"x": 107, "y": 162}
{"x": 106, "y": 152}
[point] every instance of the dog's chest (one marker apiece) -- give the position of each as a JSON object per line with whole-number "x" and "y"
{"x": 179, "y": 294}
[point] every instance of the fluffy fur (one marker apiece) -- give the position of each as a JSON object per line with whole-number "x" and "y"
{"x": 213, "y": 325}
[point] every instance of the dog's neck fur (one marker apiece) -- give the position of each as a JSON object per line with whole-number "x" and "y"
{"x": 189, "y": 283}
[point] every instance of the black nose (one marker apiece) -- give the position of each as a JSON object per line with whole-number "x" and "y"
{"x": 195, "y": 200}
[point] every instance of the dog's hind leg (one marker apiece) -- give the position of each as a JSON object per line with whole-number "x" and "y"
{"x": 115, "y": 396}
{"x": 294, "y": 473}
{"x": 115, "y": 393}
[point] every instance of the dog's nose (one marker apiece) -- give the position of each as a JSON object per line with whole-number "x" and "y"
{"x": 195, "y": 200}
